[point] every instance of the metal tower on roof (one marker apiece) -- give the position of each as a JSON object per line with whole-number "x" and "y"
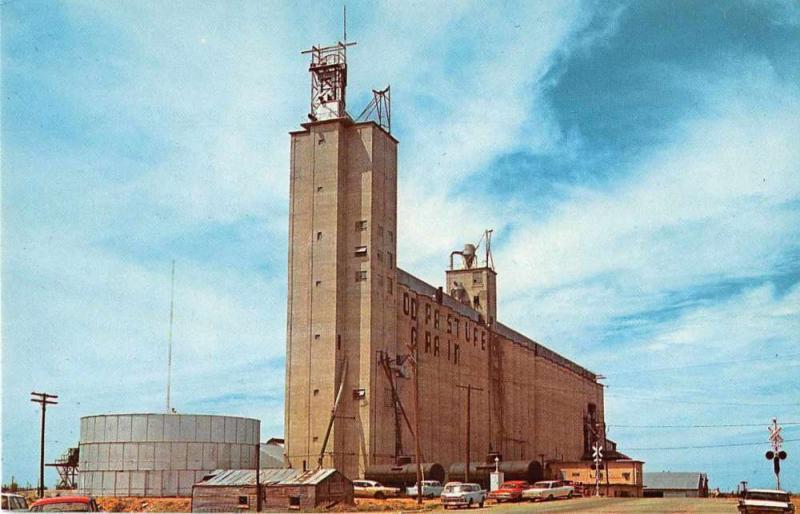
{"x": 329, "y": 78}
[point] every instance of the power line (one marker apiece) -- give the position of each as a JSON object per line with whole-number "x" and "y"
{"x": 704, "y": 446}
{"x": 737, "y": 425}
{"x": 704, "y": 364}
{"x": 695, "y": 402}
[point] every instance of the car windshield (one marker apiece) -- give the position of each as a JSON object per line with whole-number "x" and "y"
{"x": 457, "y": 488}
{"x": 63, "y": 507}
{"x": 510, "y": 485}
{"x": 768, "y": 496}
{"x": 542, "y": 485}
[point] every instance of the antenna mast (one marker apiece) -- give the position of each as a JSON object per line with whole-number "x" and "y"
{"x": 169, "y": 352}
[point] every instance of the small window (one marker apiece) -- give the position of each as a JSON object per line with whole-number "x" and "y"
{"x": 319, "y": 236}
{"x": 318, "y": 283}
{"x": 315, "y": 439}
{"x": 361, "y": 251}
{"x": 390, "y": 285}
{"x": 466, "y": 329}
{"x": 319, "y": 189}
{"x": 390, "y": 259}
{"x": 456, "y": 353}
{"x": 294, "y": 502}
{"x": 316, "y": 392}
{"x": 243, "y": 500}
{"x": 476, "y": 300}
{"x": 338, "y": 342}
{"x": 361, "y": 225}
{"x": 316, "y": 336}
{"x": 361, "y": 276}
{"x": 626, "y": 476}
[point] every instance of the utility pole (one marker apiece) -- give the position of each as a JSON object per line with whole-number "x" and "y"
{"x": 258, "y": 474}
{"x": 44, "y": 399}
{"x": 469, "y": 388}
{"x": 413, "y": 348}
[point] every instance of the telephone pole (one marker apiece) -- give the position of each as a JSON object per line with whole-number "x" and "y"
{"x": 44, "y": 399}
{"x": 413, "y": 350}
{"x": 469, "y": 388}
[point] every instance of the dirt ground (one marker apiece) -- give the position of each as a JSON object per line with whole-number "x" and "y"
{"x": 145, "y": 504}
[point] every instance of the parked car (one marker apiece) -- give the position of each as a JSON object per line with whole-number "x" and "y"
{"x": 373, "y": 489}
{"x": 65, "y": 504}
{"x": 430, "y": 489}
{"x": 14, "y": 502}
{"x": 766, "y": 501}
{"x": 548, "y": 490}
{"x": 510, "y": 491}
{"x": 458, "y": 494}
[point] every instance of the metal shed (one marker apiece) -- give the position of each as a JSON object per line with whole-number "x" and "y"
{"x": 675, "y": 484}
{"x": 281, "y": 490}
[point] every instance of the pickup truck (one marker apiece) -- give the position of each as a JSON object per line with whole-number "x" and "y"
{"x": 459, "y": 494}
{"x": 548, "y": 490}
{"x": 765, "y": 501}
{"x": 430, "y": 489}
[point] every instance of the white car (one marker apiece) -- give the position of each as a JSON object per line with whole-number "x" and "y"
{"x": 14, "y": 502}
{"x": 373, "y": 489}
{"x": 548, "y": 490}
{"x": 765, "y": 501}
{"x": 459, "y": 494}
{"x": 430, "y": 489}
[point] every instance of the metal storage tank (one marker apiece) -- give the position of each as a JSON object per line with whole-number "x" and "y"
{"x": 161, "y": 454}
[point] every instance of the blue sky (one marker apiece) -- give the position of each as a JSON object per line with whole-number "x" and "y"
{"x": 639, "y": 162}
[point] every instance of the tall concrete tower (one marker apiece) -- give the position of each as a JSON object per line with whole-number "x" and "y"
{"x": 342, "y": 274}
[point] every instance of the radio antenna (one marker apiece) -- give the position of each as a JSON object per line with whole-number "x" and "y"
{"x": 344, "y": 23}
{"x": 169, "y": 351}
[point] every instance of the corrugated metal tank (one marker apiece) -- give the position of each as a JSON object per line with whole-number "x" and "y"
{"x": 161, "y": 454}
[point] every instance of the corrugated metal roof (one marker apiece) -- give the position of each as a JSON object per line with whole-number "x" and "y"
{"x": 309, "y": 477}
{"x": 241, "y": 477}
{"x": 673, "y": 480}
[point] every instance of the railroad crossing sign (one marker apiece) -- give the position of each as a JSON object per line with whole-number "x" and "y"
{"x": 776, "y": 455}
{"x": 597, "y": 452}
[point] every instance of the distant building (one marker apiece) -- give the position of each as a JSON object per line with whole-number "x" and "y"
{"x": 281, "y": 489}
{"x": 669, "y": 484}
{"x": 618, "y": 478}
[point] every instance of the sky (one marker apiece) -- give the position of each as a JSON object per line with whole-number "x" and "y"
{"x": 639, "y": 163}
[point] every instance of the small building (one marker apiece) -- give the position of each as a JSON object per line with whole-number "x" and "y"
{"x": 272, "y": 454}
{"x": 618, "y": 478}
{"x": 676, "y": 484}
{"x": 281, "y": 490}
